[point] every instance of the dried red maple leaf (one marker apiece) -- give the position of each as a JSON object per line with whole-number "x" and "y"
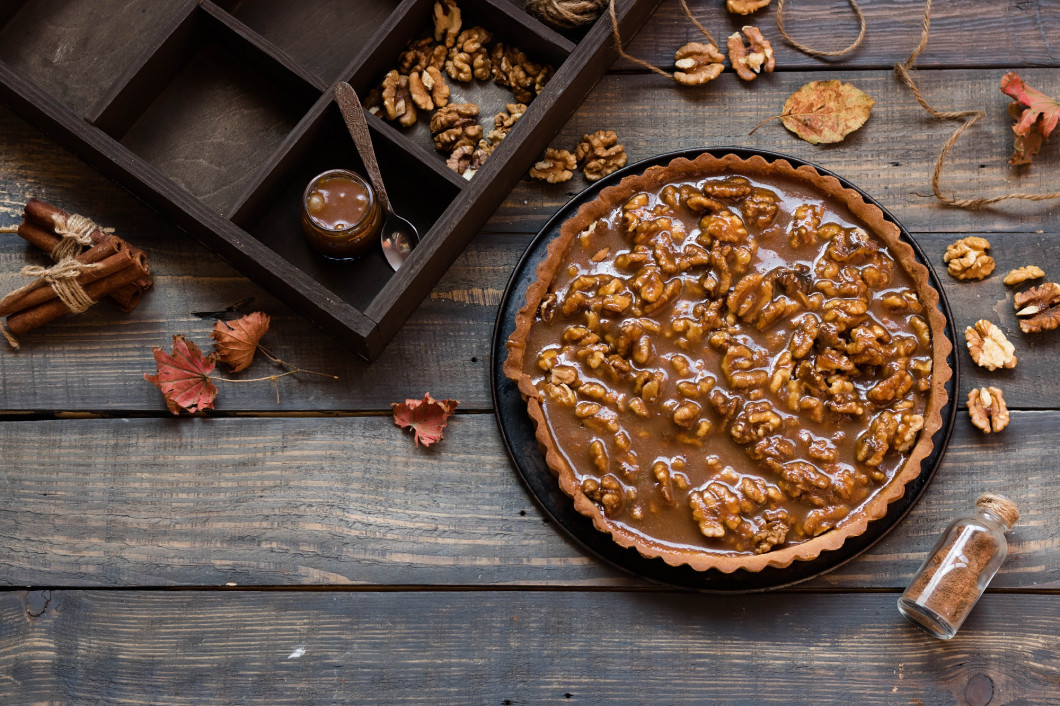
{"x": 184, "y": 377}
{"x": 824, "y": 112}
{"x": 1036, "y": 116}
{"x": 427, "y": 417}
{"x": 236, "y": 341}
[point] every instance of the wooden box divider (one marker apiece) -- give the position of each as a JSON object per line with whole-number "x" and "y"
{"x": 236, "y": 90}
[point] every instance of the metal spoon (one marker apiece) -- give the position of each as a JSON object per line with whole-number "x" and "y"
{"x": 398, "y": 236}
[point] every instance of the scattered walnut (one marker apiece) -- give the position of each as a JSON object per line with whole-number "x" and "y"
{"x": 455, "y": 125}
{"x": 748, "y": 64}
{"x": 373, "y": 102}
{"x": 446, "y": 21}
{"x": 428, "y": 89}
{"x": 415, "y": 56}
{"x": 397, "y": 99}
{"x": 986, "y": 407}
{"x": 466, "y": 160}
{"x": 556, "y": 166}
{"x": 513, "y": 69}
{"x": 459, "y": 67}
{"x": 988, "y": 346}
{"x": 600, "y": 154}
{"x": 471, "y": 40}
{"x": 1039, "y": 308}
{"x": 504, "y": 121}
{"x": 745, "y": 7}
{"x": 1022, "y": 274}
{"x": 697, "y": 63}
{"x": 967, "y": 258}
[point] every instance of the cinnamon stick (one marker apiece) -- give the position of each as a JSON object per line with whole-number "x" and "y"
{"x": 49, "y": 311}
{"x": 43, "y": 293}
{"x": 109, "y": 246}
{"x": 39, "y": 230}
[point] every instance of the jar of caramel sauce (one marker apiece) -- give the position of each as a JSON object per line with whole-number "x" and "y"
{"x": 341, "y": 216}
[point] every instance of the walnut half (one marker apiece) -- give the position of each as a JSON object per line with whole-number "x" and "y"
{"x": 600, "y": 154}
{"x": 986, "y": 407}
{"x": 555, "y": 167}
{"x": 745, "y": 7}
{"x": 967, "y": 258}
{"x": 748, "y": 64}
{"x": 698, "y": 63}
{"x": 988, "y": 346}
{"x": 1038, "y": 308}
{"x": 1022, "y": 274}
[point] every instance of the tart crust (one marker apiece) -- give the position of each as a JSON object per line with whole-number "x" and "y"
{"x": 706, "y": 165}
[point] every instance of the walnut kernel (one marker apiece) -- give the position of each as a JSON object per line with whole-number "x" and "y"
{"x": 455, "y": 125}
{"x": 988, "y": 346}
{"x": 600, "y": 154}
{"x": 446, "y": 21}
{"x": 556, "y": 166}
{"x": 1022, "y": 274}
{"x": 697, "y": 63}
{"x": 986, "y": 407}
{"x": 967, "y": 258}
{"x": 745, "y": 7}
{"x": 1038, "y": 308}
{"x": 748, "y": 64}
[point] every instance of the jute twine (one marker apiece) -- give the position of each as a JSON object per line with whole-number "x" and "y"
{"x": 817, "y": 52}
{"x": 566, "y": 14}
{"x": 75, "y": 232}
{"x": 642, "y": 62}
{"x": 970, "y": 117}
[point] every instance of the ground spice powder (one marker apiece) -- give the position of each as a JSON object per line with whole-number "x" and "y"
{"x": 962, "y": 563}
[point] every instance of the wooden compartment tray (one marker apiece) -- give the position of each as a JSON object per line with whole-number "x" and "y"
{"x": 218, "y": 112}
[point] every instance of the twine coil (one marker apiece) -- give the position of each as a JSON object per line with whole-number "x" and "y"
{"x": 817, "y": 52}
{"x": 971, "y": 117}
{"x": 566, "y": 14}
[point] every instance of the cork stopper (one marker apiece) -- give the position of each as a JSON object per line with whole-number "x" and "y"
{"x": 999, "y": 506}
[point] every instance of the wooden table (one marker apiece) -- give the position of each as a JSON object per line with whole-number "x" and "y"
{"x": 305, "y": 550}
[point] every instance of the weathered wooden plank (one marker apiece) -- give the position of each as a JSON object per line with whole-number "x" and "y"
{"x": 95, "y": 362}
{"x": 891, "y": 157}
{"x": 352, "y": 501}
{"x": 526, "y": 647}
{"x": 1010, "y": 34}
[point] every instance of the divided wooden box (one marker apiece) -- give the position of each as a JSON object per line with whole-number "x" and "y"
{"x": 218, "y": 113}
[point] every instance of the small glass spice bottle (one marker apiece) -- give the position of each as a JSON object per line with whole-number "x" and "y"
{"x": 962, "y": 563}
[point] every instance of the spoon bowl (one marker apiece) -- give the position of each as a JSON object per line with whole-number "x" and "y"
{"x": 398, "y": 237}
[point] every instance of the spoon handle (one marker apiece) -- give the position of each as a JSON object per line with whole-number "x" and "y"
{"x": 353, "y": 114}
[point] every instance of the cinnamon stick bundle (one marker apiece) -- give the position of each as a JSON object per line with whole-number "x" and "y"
{"x": 110, "y": 256}
{"x": 36, "y": 316}
{"x": 38, "y": 229}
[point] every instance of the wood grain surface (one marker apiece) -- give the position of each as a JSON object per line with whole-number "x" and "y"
{"x": 353, "y": 501}
{"x": 964, "y": 33}
{"x": 521, "y": 647}
{"x": 305, "y": 550}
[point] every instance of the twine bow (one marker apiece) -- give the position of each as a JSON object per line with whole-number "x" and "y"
{"x": 75, "y": 232}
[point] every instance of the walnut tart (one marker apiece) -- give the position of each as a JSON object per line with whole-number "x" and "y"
{"x": 731, "y": 363}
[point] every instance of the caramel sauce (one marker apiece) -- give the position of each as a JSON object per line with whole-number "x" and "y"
{"x": 337, "y": 202}
{"x": 677, "y": 418}
{"x": 340, "y": 215}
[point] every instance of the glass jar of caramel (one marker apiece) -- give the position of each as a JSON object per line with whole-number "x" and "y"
{"x": 341, "y": 216}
